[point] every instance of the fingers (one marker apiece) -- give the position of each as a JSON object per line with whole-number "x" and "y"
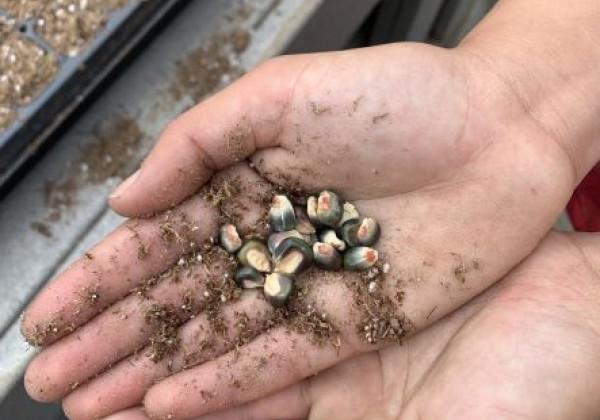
{"x": 250, "y": 374}
{"x": 315, "y": 337}
{"x": 240, "y": 196}
{"x": 134, "y": 252}
{"x": 202, "y": 338}
{"x": 361, "y": 313}
{"x": 125, "y": 327}
{"x": 217, "y": 133}
{"x": 141, "y": 249}
{"x": 290, "y": 403}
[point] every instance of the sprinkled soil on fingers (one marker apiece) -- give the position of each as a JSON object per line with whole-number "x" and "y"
{"x": 380, "y": 317}
{"x": 43, "y": 333}
{"x": 217, "y": 267}
{"x": 164, "y": 341}
{"x": 175, "y": 227}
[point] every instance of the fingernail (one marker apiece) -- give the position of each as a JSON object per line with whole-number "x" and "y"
{"x": 122, "y": 189}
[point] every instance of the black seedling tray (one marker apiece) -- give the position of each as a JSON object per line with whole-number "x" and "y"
{"x": 76, "y": 79}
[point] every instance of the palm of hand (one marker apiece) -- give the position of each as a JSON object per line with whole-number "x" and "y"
{"x": 427, "y": 155}
{"x": 530, "y": 340}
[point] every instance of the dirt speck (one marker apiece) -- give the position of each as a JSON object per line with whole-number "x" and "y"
{"x": 234, "y": 144}
{"x": 213, "y": 64}
{"x": 240, "y": 40}
{"x": 356, "y": 103}
{"x": 92, "y": 297}
{"x": 462, "y": 268}
{"x": 42, "y": 228}
{"x": 110, "y": 154}
{"x": 460, "y": 272}
{"x": 164, "y": 321}
{"x": 207, "y": 395}
{"x": 381, "y": 319}
{"x": 380, "y": 117}
{"x": 318, "y": 109}
{"x": 142, "y": 252}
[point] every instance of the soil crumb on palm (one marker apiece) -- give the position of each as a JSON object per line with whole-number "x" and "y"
{"x": 164, "y": 341}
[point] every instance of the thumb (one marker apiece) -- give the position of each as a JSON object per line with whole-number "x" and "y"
{"x": 217, "y": 133}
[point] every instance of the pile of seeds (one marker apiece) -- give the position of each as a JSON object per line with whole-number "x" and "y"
{"x": 327, "y": 233}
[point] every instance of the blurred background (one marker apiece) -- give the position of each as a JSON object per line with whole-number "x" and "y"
{"x": 86, "y": 87}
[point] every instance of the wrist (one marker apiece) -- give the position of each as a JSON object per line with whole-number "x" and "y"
{"x": 544, "y": 71}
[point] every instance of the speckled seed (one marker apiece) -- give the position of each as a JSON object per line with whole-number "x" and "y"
{"x": 326, "y": 256}
{"x": 303, "y": 224}
{"x": 360, "y": 258}
{"x": 256, "y": 255}
{"x": 368, "y": 232}
{"x": 249, "y": 278}
{"x": 350, "y": 213}
{"x": 364, "y": 232}
{"x": 281, "y": 214}
{"x": 278, "y": 288}
{"x": 276, "y": 238}
{"x": 230, "y": 238}
{"x": 330, "y": 237}
{"x": 348, "y": 232}
{"x": 311, "y": 210}
{"x": 292, "y": 256}
{"x": 329, "y": 208}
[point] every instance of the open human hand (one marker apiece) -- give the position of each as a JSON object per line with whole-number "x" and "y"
{"x": 526, "y": 348}
{"x": 441, "y": 156}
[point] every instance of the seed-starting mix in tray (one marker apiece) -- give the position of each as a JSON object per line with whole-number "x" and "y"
{"x": 327, "y": 233}
{"x": 36, "y": 37}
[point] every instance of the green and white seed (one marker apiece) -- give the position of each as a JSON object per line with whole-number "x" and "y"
{"x": 276, "y": 238}
{"x": 360, "y": 258}
{"x": 278, "y": 288}
{"x": 249, "y": 278}
{"x": 350, "y": 213}
{"x": 303, "y": 223}
{"x": 255, "y": 254}
{"x": 329, "y": 209}
{"x": 281, "y": 214}
{"x": 364, "y": 232}
{"x": 330, "y": 237}
{"x": 292, "y": 256}
{"x": 229, "y": 238}
{"x": 326, "y": 256}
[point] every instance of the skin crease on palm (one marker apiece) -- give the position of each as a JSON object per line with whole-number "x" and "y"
{"x": 435, "y": 147}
